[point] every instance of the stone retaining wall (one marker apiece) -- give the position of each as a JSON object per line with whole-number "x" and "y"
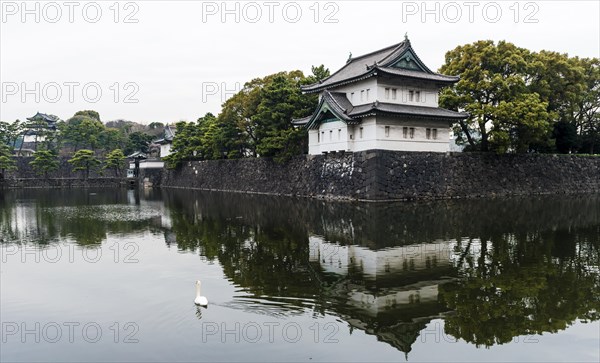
{"x": 378, "y": 175}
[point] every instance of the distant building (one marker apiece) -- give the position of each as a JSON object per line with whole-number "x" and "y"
{"x": 166, "y": 141}
{"x": 387, "y": 99}
{"x": 38, "y": 127}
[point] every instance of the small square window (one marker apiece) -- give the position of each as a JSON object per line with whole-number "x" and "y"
{"x": 368, "y": 93}
{"x": 405, "y": 132}
{"x": 418, "y": 96}
{"x": 387, "y": 93}
{"x": 361, "y": 132}
{"x": 411, "y": 95}
{"x": 362, "y": 95}
{"x": 412, "y": 132}
{"x": 428, "y": 133}
{"x": 387, "y": 131}
{"x": 394, "y": 93}
{"x": 434, "y": 134}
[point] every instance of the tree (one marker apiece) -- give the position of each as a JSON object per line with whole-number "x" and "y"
{"x": 44, "y": 161}
{"x": 83, "y": 131}
{"x": 565, "y": 134}
{"x": 490, "y": 75}
{"x": 89, "y": 114}
{"x": 10, "y": 133}
{"x": 520, "y": 123}
{"x": 138, "y": 141}
{"x": 7, "y": 162}
{"x": 259, "y": 116}
{"x": 115, "y": 160}
{"x": 84, "y": 160}
{"x": 111, "y": 139}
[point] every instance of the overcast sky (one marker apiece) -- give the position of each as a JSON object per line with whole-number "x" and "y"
{"x": 176, "y": 60}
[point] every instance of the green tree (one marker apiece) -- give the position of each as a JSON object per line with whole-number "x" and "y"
{"x": 520, "y": 123}
{"x": 84, "y": 160}
{"x": 115, "y": 160}
{"x": 259, "y": 116}
{"x": 489, "y": 74}
{"x": 44, "y": 161}
{"x": 111, "y": 139}
{"x": 565, "y": 134}
{"x": 138, "y": 141}
{"x": 90, "y": 114}
{"x": 83, "y": 131}
{"x": 10, "y": 133}
{"x": 7, "y": 162}
{"x": 190, "y": 141}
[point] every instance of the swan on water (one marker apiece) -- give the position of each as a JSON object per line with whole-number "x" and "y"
{"x": 200, "y": 300}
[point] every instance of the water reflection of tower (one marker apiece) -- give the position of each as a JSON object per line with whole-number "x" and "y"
{"x": 391, "y": 293}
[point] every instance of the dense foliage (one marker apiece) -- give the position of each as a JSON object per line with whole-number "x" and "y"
{"x": 523, "y": 101}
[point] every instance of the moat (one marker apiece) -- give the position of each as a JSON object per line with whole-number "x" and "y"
{"x": 108, "y": 275}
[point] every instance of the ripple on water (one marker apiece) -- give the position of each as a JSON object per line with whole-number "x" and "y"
{"x": 107, "y": 212}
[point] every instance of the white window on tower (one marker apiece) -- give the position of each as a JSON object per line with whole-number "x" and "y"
{"x": 360, "y": 132}
{"x": 368, "y": 93}
{"x": 318, "y": 137}
{"x": 387, "y": 131}
{"x": 411, "y": 95}
{"x": 428, "y": 133}
{"x": 352, "y": 97}
{"x": 418, "y": 96}
{"x": 434, "y": 134}
{"x": 330, "y": 135}
{"x": 394, "y": 91}
{"x": 339, "y": 134}
{"x": 362, "y": 95}
{"x": 405, "y": 132}
{"x": 387, "y": 93}
{"x": 412, "y": 132}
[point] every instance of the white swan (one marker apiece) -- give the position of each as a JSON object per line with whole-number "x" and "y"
{"x": 200, "y": 300}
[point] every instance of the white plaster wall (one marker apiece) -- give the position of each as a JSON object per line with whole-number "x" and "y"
{"x": 165, "y": 150}
{"x": 32, "y": 138}
{"x": 370, "y": 83}
{"x": 368, "y": 140}
{"x": 428, "y": 98}
{"x": 331, "y": 136}
{"x": 377, "y": 139}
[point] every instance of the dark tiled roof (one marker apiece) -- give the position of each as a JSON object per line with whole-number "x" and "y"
{"x": 339, "y": 104}
{"x": 367, "y": 66}
{"x": 44, "y": 117}
{"x": 301, "y": 121}
{"x": 419, "y": 75}
{"x": 406, "y": 110}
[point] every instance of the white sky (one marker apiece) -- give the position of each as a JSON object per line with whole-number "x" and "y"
{"x": 181, "y": 60}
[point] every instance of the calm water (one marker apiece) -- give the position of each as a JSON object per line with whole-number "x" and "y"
{"x": 96, "y": 275}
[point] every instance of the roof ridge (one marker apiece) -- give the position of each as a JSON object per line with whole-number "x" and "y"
{"x": 377, "y": 51}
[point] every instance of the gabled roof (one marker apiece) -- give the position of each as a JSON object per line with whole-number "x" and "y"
{"x": 337, "y": 104}
{"x": 398, "y": 60}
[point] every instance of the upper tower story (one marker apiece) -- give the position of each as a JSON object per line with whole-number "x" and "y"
{"x": 394, "y": 75}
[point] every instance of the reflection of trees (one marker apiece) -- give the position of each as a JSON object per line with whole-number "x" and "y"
{"x": 42, "y": 217}
{"x": 535, "y": 271}
{"x": 526, "y": 283}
